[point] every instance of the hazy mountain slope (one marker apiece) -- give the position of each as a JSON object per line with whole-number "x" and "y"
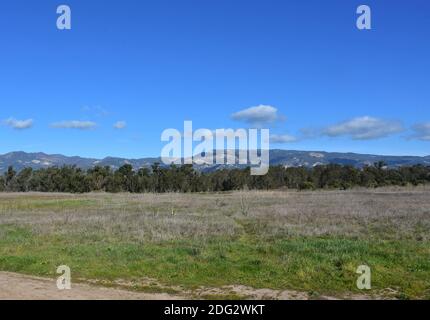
{"x": 20, "y": 160}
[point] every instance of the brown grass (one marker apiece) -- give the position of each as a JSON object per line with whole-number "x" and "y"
{"x": 381, "y": 213}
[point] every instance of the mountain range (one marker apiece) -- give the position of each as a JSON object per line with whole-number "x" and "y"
{"x": 288, "y": 158}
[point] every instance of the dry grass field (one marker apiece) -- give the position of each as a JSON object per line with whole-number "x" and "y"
{"x": 305, "y": 242}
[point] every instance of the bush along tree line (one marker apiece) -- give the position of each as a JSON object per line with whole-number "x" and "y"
{"x": 186, "y": 179}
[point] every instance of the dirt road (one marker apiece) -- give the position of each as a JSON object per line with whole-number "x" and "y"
{"x": 15, "y": 286}
{"x": 21, "y": 287}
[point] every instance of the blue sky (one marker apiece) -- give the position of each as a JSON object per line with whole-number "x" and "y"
{"x": 312, "y": 77}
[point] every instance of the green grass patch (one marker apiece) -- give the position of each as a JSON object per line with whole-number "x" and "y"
{"x": 313, "y": 264}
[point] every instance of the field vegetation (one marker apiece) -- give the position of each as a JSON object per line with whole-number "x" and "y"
{"x": 309, "y": 241}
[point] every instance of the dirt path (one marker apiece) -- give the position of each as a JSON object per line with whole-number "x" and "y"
{"x": 21, "y": 287}
{"x": 15, "y": 286}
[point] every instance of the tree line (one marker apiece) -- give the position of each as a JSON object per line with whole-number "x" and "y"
{"x": 186, "y": 179}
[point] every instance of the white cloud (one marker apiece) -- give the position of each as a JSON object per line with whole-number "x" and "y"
{"x": 18, "y": 124}
{"x": 120, "y": 125}
{"x": 422, "y": 131}
{"x": 260, "y": 115}
{"x": 284, "y": 138}
{"x": 364, "y": 128}
{"x": 74, "y": 124}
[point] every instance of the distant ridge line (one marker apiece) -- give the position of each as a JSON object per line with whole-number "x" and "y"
{"x": 288, "y": 158}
